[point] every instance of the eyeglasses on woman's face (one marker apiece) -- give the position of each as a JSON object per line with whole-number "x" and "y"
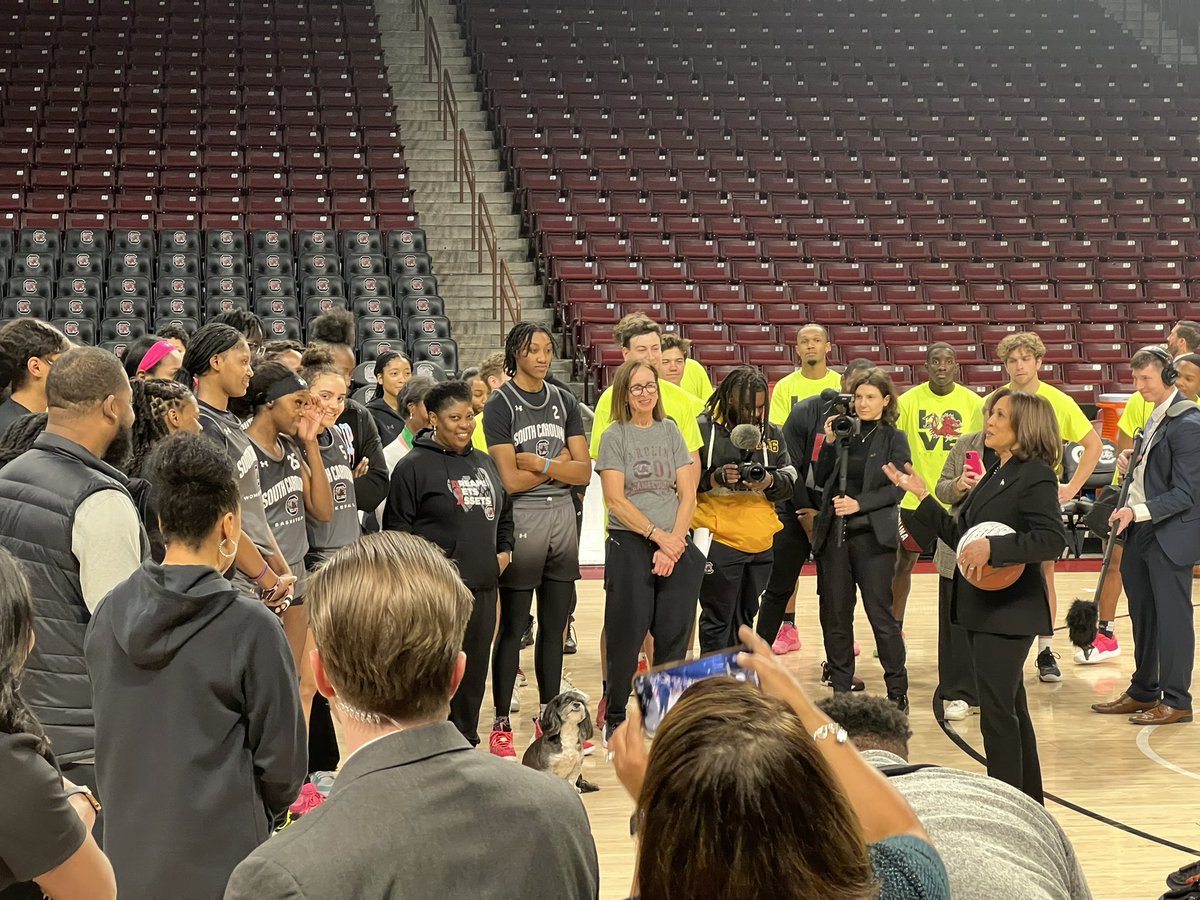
{"x": 637, "y": 390}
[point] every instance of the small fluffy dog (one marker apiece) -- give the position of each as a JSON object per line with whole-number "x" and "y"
{"x": 566, "y": 724}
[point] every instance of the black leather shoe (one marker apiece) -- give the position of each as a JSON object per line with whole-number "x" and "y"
{"x": 901, "y": 701}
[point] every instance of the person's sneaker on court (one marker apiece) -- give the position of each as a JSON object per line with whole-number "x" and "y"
{"x": 957, "y": 710}
{"x": 1102, "y": 648}
{"x": 787, "y": 640}
{"x": 501, "y": 743}
{"x": 1048, "y": 670}
{"x": 521, "y": 679}
{"x": 527, "y": 638}
{"x": 901, "y": 701}
{"x": 856, "y": 683}
{"x": 572, "y": 643}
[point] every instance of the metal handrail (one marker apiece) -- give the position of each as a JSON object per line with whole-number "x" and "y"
{"x": 420, "y": 10}
{"x": 510, "y": 303}
{"x": 433, "y": 49}
{"x": 487, "y": 238}
{"x": 447, "y": 99}
{"x": 464, "y": 174}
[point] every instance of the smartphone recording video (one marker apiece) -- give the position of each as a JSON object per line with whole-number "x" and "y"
{"x": 659, "y": 689}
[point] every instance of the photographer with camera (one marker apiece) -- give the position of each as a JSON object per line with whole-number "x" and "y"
{"x": 856, "y": 534}
{"x": 746, "y": 472}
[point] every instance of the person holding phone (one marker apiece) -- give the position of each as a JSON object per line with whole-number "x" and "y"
{"x": 966, "y": 464}
{"x": 856, "y": 535}
{"x": 1021, "y": 491}
{"x": 652, "y": 571}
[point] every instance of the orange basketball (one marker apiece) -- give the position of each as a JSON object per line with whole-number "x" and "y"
{"x": 989, "y": 577}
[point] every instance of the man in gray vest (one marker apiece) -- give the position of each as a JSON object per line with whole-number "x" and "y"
{"x": 66, "y": 514}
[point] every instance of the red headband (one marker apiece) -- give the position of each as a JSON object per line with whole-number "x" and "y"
{"x": 155, "y": 355}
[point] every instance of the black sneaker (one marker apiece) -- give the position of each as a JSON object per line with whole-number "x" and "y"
{"x": 1187, "y": 876}
{"x": 1047, "y": 667}
{"x": 856, "y": 683}
{"x": 901, "y": 701}
{"x": 572, "y": 645}
{"x": 527, "y": 637}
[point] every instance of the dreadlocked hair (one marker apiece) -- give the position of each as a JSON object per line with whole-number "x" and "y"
{"x": 20, "y": 436}
{"x": 16, "y": 629}
{"x": 20, "y": 341}
{"x": 248, "y": 323}
{"x": 518, "y": 342}
{"x": 734, "y": 403}
{"x": 153, "y": 398}
{"x": 211, "y": 340}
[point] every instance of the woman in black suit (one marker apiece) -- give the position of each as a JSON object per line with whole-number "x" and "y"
{"x": 869, "y": 508}
{"x": 1021, "y": 491}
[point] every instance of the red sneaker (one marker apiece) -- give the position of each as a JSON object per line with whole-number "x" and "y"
{"x": 501, "y": 745}
{"x": 787, "y": 640}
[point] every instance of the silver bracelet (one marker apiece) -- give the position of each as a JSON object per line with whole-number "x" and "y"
{"x": 831, "y": 728}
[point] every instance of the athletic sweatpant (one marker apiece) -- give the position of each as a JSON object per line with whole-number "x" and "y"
{"x": 733, "y": 581}
{"x": 637, "y": 601}
{"x": 553, "y": 609}
{"x": 477, "y": 644}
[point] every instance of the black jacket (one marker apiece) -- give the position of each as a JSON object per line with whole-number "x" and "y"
{"x": 371, "y": 489}
{"x": 389, "y": 422}
{"x": 805, "y": 421}
{"x": 457, "y": 501}
{"x": 204, "y": 679}
{"x": 879, "y": 499}
{"x": 1024, "y": 496}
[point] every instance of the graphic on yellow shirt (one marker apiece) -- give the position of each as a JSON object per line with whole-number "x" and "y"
{"x": 933, "y": 425}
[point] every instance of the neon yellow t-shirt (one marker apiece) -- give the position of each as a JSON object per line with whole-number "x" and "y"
{"x": 478, "y": 441}
{"x": 677, "y": 403}
{"x": 695, "y": 380}
{"x": 933, "y": 425}
{"x": 1072, "y": 423}
{"x": 791, "y": 389}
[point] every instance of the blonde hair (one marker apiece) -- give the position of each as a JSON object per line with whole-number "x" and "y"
{"x": 492, "y": 366}
{"x": 1022, "y": 340}
{"x": 620, "y": 391}
{"x": 388, "y": 613}
{"x": 675, "y": 342}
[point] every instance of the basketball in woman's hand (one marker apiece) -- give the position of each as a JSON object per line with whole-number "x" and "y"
{"x": 988, "y": 577}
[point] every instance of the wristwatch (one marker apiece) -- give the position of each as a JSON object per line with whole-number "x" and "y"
{"x": 831, "y": 729}
{"x": 86, "y": 795}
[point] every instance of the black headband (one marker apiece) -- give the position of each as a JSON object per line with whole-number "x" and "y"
{"x": 284, "y": 386}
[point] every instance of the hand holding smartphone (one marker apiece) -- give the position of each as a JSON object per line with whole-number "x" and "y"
{"x": 659, "y": 689}
{"x": 974, "y": 463}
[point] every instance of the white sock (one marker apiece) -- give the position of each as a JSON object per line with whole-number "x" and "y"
{"x": 1044, "y": 643}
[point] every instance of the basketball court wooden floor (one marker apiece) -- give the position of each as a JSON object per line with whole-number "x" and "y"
{"x": 1118, "y": 779}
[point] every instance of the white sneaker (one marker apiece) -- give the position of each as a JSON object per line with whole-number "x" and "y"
{"x": 521, "y": 679}
{"x": 957, "y": 710}
{"x": 515, "y": 705}
{"x": 565, "y": 684}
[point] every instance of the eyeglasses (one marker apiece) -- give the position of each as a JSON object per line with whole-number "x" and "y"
{"x": 638, "y": 389}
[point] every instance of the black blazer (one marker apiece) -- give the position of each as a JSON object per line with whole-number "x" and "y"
{"x": 1172, "y": 482}
{"x": 879, "y": 499}
{"x": 804, "y": 423}
{"x": 1024, "y": 496}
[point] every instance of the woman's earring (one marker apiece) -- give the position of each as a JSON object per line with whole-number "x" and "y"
{"x": 221, "y": 549}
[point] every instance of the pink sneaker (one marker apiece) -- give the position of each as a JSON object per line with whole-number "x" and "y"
{"x": 787, "y": 640}
{"x": 310, "y": 798}
{"x": 857, "y": 649}
{"x": 501, "y": 745}
{"x": 1104, "y": 647}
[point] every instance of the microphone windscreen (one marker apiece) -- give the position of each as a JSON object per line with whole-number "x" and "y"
{"x": 829, "y": 395}
{"x": 745, "y": 437}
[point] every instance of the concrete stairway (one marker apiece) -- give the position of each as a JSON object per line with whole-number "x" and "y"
{"x": 447, "y": 222}
{"x": 1142, "y": 20}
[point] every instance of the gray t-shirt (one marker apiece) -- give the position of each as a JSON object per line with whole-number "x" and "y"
{"x": 224, "y": 428}
{"x": 994, "y": 840}
{"x": 540, "y": 423}
{"x": 344, "y": 528}
{"x": 648, "y": 457}
{"x": 283, "y": 498}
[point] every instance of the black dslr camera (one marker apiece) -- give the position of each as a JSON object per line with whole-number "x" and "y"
{"x": 750, "y": 470}
{"x": 846, "y": 423}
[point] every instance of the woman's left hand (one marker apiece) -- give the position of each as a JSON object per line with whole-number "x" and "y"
{"x": 627, "y": 747}
{"x": 363, "y": 467}
{"x": 845, "y": 506}
{"x": 975, "y": 555}
{"x": 502, "y": 561}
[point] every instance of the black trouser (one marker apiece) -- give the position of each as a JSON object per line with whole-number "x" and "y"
{"x": 84, "y": 775}
{"x": 861, "y": 563}
{"x": 637, "y": 601}
{"x": 729, "y": 593}
{"x": 553, "y": 609}
{"x": 956, "y": 671}
{"x": 789, "y": 552}
{"x": 1008, "y": 738}
{"x": 1160, "y": 609}
{"x": 577, "y": 501}
{"x": 477, "y": 644}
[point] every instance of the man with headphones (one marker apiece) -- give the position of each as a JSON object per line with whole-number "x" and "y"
{"x": 1160, "y": 522}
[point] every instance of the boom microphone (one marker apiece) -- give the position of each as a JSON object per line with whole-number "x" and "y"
{"x": 829, "y": 395}
{"x": 745, "y": 437}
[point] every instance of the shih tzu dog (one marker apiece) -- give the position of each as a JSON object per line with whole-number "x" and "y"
{"x": 566, "y": 724}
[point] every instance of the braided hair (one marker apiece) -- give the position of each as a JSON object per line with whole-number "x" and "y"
{"x": 20, "y": 341}
{"x": 734, "y": 402}
{"x": 518, "y": 342}
{"x": 248, "y": 323}
{"x": 20, "y": 436}
{"x": 211, "y": 340}
{"x": 153, "y": 398}
{"x": 16, "y": 630}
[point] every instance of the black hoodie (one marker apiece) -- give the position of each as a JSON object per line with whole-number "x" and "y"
{"x": 200, "y": 742}
{"x": 454, "y": 500}
{"x": 389, "y": 422}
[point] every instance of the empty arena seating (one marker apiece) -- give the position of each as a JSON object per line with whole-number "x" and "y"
{"x": 168, "y": 160}
{"x": 920, "y": 170}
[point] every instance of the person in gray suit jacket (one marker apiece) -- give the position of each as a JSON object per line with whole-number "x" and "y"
{"x": 1161, "y": 525}
{"x": 413, "y": 812}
